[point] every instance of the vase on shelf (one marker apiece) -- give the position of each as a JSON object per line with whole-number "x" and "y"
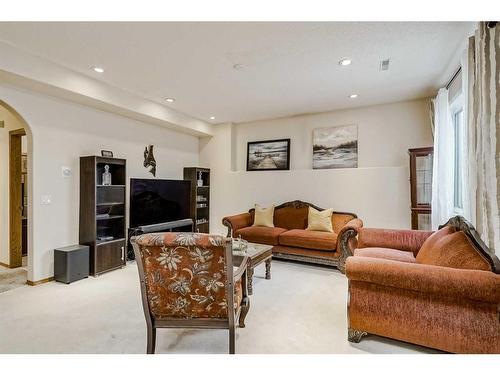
{"x": 200, "y": 180}
{"x": 106, "y": 176}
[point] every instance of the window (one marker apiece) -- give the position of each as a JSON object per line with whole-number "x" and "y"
{"x": 459, "y": 159}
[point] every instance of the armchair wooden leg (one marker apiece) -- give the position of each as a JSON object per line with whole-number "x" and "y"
{"x": 245, "y": 306}
{"x": 151, "y": 340}
{"x": 231, "y": 339}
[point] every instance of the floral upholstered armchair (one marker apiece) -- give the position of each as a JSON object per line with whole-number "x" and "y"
{"x": 188, "y": 281}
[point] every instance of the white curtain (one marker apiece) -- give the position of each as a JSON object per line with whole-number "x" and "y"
{"x": 468, "y": 184}
{"x": 442, "y": 172}
{"x": 483, "y": 123}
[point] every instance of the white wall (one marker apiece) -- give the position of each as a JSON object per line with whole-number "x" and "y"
{"x": 378, "y": 191}
{"x": 62, "y": 132}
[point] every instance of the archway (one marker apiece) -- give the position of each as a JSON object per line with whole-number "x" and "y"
{"x": 17, "y": 170}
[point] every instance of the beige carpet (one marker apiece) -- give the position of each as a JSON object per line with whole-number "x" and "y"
{"x": 302, "y": 309}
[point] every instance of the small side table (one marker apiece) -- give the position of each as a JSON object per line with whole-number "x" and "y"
{"x": 257, "y": 254}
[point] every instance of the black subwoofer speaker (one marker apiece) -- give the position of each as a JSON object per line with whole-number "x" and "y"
{"x": 71, "y": 263}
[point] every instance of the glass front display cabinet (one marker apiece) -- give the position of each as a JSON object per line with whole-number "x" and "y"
{"x": 421, "y": 187}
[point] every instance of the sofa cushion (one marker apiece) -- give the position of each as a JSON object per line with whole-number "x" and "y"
{"x": 291, "y": 218}
{"x": 263, "y": 217}
{"x": 452, "y": 250}
{"x": 385, "y": 253}
{"x": 263, "y": 235}
{"x": 308, "y": 239}
{"x": 320, "y": 221}
{"x": 430, "y": 242}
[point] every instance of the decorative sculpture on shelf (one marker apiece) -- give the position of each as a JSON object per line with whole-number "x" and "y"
{"x": 106, "y": 176}
{"x": 149, "y": 159}
{"x": 200, "y": 180}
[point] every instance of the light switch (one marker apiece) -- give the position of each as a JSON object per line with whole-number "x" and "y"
{"x": 46, "y": 199}
{"x": 66, "y": 172}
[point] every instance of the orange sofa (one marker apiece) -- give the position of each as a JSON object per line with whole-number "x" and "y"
{"x": 440, "y": 290}
{"x": 289, "y": 238}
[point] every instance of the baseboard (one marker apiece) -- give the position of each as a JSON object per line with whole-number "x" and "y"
{"x": 38, "y": 282}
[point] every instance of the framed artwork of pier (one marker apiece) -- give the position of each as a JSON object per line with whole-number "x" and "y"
{"x": 271, "y": 155}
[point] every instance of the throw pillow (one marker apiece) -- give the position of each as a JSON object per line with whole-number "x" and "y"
{"x": 320, "y": 220}
{"x": 264, "y": 217}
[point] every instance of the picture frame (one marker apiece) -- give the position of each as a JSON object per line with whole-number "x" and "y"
{"x": 106, "y": 153}
{"x": 335, "y": 147}
{"x": 270, "y": 155}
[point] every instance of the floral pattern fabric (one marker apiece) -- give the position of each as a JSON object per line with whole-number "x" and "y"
{"x": 185, "y": 275}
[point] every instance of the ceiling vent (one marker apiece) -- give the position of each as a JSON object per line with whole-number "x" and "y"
{"x": 384, "y": 64}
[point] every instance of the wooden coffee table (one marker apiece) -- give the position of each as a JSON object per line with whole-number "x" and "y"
{"x": 257, "y": 254}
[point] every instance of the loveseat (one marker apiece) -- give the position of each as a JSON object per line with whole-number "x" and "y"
{"x": 437, "y": 289}
{"x": 291, "y": 240}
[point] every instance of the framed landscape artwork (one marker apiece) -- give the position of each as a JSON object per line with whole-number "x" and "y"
{"x": 268, "y": 155}
{"x": 335, "y": 147}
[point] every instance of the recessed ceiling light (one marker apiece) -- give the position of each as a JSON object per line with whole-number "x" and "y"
{"x": 98, "y": 69}
{"x": 170, "y": 100}
{"x": 345, "y": 62}
{"x": 212, "y": 117}
{"x": 238, "y": 66}
{"x": 353, "y": 96}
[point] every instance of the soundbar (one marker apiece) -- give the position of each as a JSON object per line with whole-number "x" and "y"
{"x": 165, "y": 226}
{"x": 185, "y": 225}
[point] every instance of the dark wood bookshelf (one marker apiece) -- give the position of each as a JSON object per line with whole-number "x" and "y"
{"x": 105, "y": 235}
{"x": 200, "y": 197}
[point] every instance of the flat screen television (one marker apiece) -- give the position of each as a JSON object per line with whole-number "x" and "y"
{"x": 158, "y": 201}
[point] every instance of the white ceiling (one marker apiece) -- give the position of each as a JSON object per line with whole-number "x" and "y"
{"x": 288, "y": 68}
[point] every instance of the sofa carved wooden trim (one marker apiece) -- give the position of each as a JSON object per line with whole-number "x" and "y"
{"x": 436, "y": 289}
{"x": 289, "y": 239}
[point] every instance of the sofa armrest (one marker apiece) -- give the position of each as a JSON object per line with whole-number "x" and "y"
{"x": 236, "y": 222}
{"x": 346, "y": 241}
{"x": 405, "y": 240}
{"x": 354, "y": 224}
{"x": 457, "y": 283}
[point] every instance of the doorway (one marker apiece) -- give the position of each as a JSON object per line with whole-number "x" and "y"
{"x": 15, "y": 219}
{"x": 17, "y": 179}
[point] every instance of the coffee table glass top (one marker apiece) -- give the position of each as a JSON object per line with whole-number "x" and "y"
{"x": 252, "y": 250}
